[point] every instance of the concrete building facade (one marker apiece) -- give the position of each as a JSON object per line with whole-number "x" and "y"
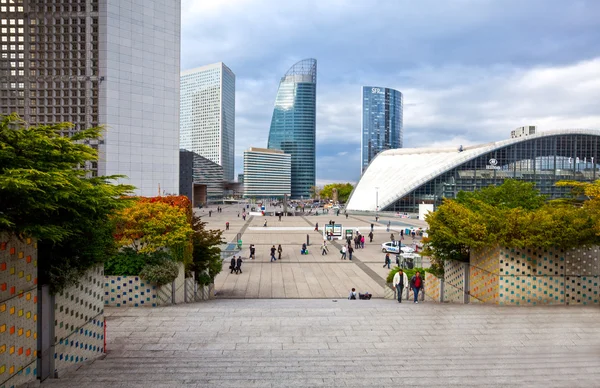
{"x": 208, "y": 114}
{"x": 267, "y": 173}
{"x": 102, "y": 62}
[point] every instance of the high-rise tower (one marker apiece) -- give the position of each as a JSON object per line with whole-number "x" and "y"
{"x": 208, "y": 114}
{"x": 382, "y": 123}
{"x": 293, "y": 126}
{"x": 100, "y": 62}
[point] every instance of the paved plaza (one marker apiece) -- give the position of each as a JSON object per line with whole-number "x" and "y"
{"x": 324, "y": 342}
{"x": 296, "y": 275}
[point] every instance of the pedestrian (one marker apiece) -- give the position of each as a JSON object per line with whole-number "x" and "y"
{"x": 387, "y": 260}
{"x": 401, "y": 283}
{"x": 348, "y": 240}
{"x": 401, "y": 234}
{"x": 324, "y": 249}
{"x": 232, "y": 264}
{"x": 346, "y": 215}
{"x": 273, "y": 253}
{"x": 252, "y": 251}
{"x": 238, "y": 268}
{"x": 413, "y": 233}
{"x": 227, "y": 226}
{"x": 244, "y": 216}
{"x": 388, "y": 226}
{"x": 265, "y": 224}
{"x": 238, "y": 214}
{"x": 417, "y": 284}
{"x": 372, "y": 228}
{"x": 209, "y": 212}
{"x": 343, "y": 252}
{"x": 352, "y": 295}
{"x": 376, "y": 218}
{"x": 371, "y": 237}
{"x": 279, "y": 251}
{"x": 350, "y": 250}
{"x": 362, "y": 241}
{"x": 304, "y": 250}
{"x": 317, "y": 227}
{"x": 392, "y": 237}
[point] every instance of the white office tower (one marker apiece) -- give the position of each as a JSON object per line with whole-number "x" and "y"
{"x": 208, "y": 114}
{"x": 113, "y": 63}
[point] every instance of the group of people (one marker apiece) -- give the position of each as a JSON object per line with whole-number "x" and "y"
{"x": 365, "y": 296}
{"x": 279, "y": 249}
{"x": 359, "y": 241}
{"x": 236, "y": 265}
{"x": 401, "y": 283}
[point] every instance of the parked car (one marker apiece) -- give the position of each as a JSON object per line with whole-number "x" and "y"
{"x": 394, "y": 247}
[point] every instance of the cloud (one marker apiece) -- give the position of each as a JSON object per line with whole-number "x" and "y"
{"x": 470, "y": 70}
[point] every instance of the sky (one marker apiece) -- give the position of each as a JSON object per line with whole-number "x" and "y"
{"x": 470, "y": 70}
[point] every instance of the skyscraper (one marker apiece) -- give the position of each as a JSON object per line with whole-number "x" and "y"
{"x": 208, "y": 114}
{"x": 293, "y": 126}
{"x": 382, "y": 123}
{"x": 267, "y": 173}
{"x": 100, "y": 62}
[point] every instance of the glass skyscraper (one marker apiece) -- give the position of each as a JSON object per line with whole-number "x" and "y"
{"x": 382, "y": 124}
{"x": 293, "y": 126}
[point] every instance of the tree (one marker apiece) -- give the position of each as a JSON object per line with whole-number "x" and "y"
{"x": 344, "y": 191}
{"x": 46, "y": 192}
{"x": 206, "y": 253}
{"x": 149, "y": 226}
{"x": 314, "y": 192}
{"x": 511, "y": 194}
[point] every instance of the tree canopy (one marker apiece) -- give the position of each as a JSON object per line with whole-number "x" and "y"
{"x": 513, "y": 214}
{"x": 344, "y": 190}
{"x": 47, "y": 192}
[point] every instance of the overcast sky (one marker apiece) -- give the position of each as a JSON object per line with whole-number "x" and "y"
{"x": 470, "y": 70}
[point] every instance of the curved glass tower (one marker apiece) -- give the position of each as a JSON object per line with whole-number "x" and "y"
{"x": 293, "y": 126}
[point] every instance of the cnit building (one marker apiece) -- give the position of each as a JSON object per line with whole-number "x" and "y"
{"x": 401, "y": 179}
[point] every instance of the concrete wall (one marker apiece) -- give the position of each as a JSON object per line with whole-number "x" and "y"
{"x": 18, "y": 310}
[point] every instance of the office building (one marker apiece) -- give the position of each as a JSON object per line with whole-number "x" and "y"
{"x": 523, "y": 131}
{"x": 100, "y": 62}
{"x": 267, "y": 173}
{"x": 382, "y": 123}
{"x": 293, "y": 125}
{"x": 399, "y": 180}
{"x": 200, "y": 179}
{"x": 208, "y": 114}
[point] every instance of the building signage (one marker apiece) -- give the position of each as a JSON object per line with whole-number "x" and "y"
{"x": 376, "y": 91}
{"x": 493, "y": 165}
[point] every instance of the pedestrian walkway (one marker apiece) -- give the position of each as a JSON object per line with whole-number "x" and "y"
{"x": 342, "y": 343}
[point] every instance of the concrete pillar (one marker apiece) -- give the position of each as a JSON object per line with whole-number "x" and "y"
{"x": 466, "y": 283}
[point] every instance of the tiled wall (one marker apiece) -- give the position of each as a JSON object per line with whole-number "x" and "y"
{"x": 79, "y": 318}
{"x": 432, "y": 287}
{"x": 484, "y": 273}
{"x": 18, "y": 310}
{"x": 454, "y": 281}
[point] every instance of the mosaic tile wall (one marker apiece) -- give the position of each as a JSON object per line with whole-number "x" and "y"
{"x": 582, "y": 290}
{"x": 79, "y": 321}
{"x": 133, "y": 291}
{"x": 432, "y": 287}
{"x": 484, "y": 273}
{"x": 454, "y": 281}
{"x": 18, "y": 310}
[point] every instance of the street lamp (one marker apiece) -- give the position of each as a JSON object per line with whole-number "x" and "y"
{"x": 376, "y": 201}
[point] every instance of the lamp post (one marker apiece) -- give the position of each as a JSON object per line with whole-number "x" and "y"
{"x": 376, "y": 201}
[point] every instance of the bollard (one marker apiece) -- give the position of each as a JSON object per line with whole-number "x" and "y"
{"x": 307, "y": 240}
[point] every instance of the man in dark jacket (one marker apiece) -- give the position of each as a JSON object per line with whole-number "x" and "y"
{"x": 417, "y": 284}
{"x": 371, "y": 236}
{"x": 273, "y": 253}
{"x": 238, "y": 268}
{"x": 232, "y": 265}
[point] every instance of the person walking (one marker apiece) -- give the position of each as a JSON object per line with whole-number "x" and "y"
{"x": 401, "y": 234}
{"x": 227, "y": 225}
{"x": 392, "y": 237}
{"x": 238, "y": 268}
{"x": 387, "y": 261}
{"x": 417, "y": 284}
{"x": 232, "y": 264}
{"x": 372, "y": 228}
{"x": 388, "y": 226}
{"x": 371, "y": 236}
{"x": 413, "y": 234}
{"x": 244, "y": 216}
{"x": 317, "y": 227}
{"x": 350, "y": 251}
{"x": 401, "y": 283}
{"x": 324, "y": 249}
{"x": 279, "y": 251}
{"x": 346, "y": 215}
{"x": 252, "y": 251}
{"x": 273, "y": 253}
{"x": 348, "y": 241}
{"x": 209, "y": 212}
{"x": 265, "y": 224}
{"x": 362, "y": 241}
{"x": 343, "y": 252}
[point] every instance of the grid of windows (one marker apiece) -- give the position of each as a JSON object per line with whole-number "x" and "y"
{"x": 267, "y": 173}
{"x": 49, "y": 62}
{"x": 208, "y": 114}
{"x": 544, "y": 161}
{"x": 382, "y": 122}
{"x": 293, "y": 125}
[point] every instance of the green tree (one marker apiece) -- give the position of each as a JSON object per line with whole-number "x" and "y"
{"x": 511, "y": 194}
{"x": 206, "y": 253}
{"x": 46, "y": 192}
{"x": 344, "y": 191}
{"x": 314, "y": 192}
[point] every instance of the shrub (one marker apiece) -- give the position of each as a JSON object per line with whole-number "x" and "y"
{"x": 204, "y": 279}
{"x": 162, "y": 273}
{"x": 129, "y": 262}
